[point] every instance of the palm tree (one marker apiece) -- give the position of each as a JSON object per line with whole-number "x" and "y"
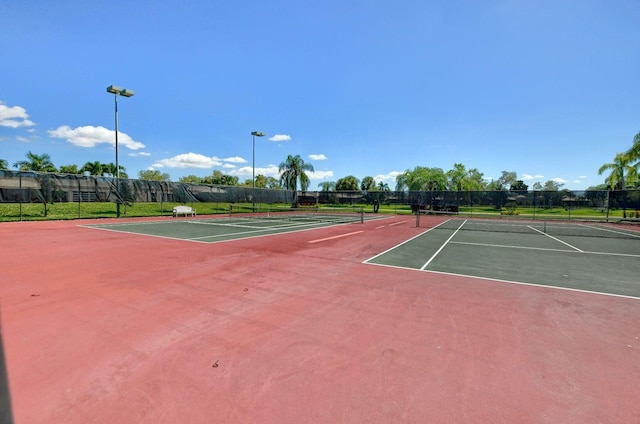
{"x": 94, "y": 168}
{"x": 348, "y": 183}
{"x": 327, "y": 185}
{"x": 110, "y": 168}
{"x": 634, "y": 151}
{"x": 228, "y": 180}
{"x": 39, "y": 163}
{"x": 634, "y": 155}
{"x": 70, "y": 169}
{"x": 4, "y": 164}
{"x": 457, "y": 176}
{"x": 367, "y": 183}
{"x": 422, "y": 178}
{"x": 620, "y": 168}
{"x": 292, "y": 170}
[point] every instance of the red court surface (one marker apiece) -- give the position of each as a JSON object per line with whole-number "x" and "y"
{"x": 106, "y": 327}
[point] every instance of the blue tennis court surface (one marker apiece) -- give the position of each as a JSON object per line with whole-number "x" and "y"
{"x": 589, "y": 257}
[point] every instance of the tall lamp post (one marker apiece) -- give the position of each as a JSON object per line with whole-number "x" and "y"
{"x": 117, "y": 91}
{"x": 255, "y": 134}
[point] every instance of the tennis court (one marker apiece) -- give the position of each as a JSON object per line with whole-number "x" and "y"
{"x": 582, "y": 256}
{"x": 151, "y": 321}
{"x": 242, "y": 225}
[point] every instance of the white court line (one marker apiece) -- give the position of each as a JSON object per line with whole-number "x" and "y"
{"x": 442, "y": 247}
{"x": 243, "y": 235}
{"x": 630, "y": 234}
{"x": 536, "y": 285}
{"x": 134, "y": 233}
{"x": 556, "y": 239}
{"x": 272, "y": 226}
{"x": 277, "y": 228}
{"x": 391, "y": 225}
{"x": 255, "y": 227}
{"x": 404, "y": 242}
{"x": 505, "y": 246}
{"x": 335, "y": 237}
{"x": 397, "y": 223}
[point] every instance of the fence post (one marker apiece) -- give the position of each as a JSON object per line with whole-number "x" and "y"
{"x": 79, "y": 196}
{"x": 21, "y": 194}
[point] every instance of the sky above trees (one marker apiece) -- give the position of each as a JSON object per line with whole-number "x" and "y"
{"x": 547, "y": 89}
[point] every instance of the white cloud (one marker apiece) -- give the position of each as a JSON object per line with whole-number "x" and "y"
{"x": 280, "y": 137}
{"x": 582, "y": 177}
{"x": 559, "y": 180}
{"x": 228, "y": 166}
{"x": 320, "y": 175}
{"x": 188, "y": 160}
{"x": 235, "y": 159}
{"x": 527, "y": 177}
{"x": 319, "y": 156}
{"x": 90, "y": 136}
{"x": 391, "y": 176}
{"x": 14, "y": 117}
{"x": 139, "y": 154}
{"x": 272, "y": 171}
{"x": 247, "y": 171}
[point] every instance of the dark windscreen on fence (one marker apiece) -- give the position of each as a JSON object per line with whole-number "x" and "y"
{"x": 36, "y": 187}
{"x": 26, "y": 187}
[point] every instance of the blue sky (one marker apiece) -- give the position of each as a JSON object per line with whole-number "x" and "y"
{"x": 546, "y": 88}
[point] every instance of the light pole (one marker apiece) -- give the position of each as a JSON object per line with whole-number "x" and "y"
{"x": 117, "y": 91}
{"x": 253, "y": 195}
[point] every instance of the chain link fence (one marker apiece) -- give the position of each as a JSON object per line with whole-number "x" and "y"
{"x": 32, "y": 195}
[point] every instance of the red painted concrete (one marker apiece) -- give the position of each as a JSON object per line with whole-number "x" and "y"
{"x": 103, "y": 327}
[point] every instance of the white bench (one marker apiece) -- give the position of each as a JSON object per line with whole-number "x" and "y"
{"x": 184, "y": 210}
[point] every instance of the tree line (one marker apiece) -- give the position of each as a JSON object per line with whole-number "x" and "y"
{"x": 624, "y": 173}
{"x": 293, "y": 171}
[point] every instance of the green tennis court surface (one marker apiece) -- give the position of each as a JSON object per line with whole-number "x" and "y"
{"x": 590, "y": 257}
{"x": 238, "y": 226}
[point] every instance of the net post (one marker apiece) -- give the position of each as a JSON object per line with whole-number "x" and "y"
{"x": 418, "y": 218}
{"x": 362, "y": 215}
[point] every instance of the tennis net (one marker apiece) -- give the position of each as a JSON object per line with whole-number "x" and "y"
{"x": 304, "y": 214}
{"x": 552, "y": 227}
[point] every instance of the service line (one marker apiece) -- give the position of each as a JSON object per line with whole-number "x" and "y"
{"x": 335, "y": 237}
